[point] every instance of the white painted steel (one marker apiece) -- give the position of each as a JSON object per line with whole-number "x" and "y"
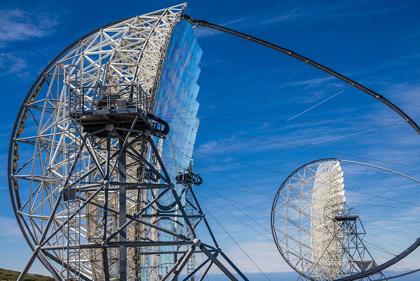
{"x": 129, "y": 53}
{"x": 327, "y": 202}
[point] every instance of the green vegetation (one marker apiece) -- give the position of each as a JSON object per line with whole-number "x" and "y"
{"x": 9, "y": 275}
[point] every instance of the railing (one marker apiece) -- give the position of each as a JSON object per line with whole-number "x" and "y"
{"x": 87, "y": 100}
{"x": 114, "y": 100}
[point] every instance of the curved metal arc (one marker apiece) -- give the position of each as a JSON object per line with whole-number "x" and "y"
{"x": 301, "y": 167}
{"x": 14, "y": 196}
{"x": 396, "y": 259}
{"x": 400, "y": 275}
{"x": 385, "y": 265}
{"x": 339, "y": 76}
{"x": 380, "y": 168}
{"x": 308, "y": 61}
{"x": 273, "y": 208}
{"x": 333, "y": 73}
{"x": 363, "y": 274}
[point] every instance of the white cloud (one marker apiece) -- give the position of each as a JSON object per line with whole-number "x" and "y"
{"x": 10, "y": 229}
{"x": 313, "y": 81}
{"x": 237, "y": 20}
{"x": 19, "y": 25}
{"x": 204, "y": 32}
{"x": 11, "y": 63}
{"x": 319, "y": 10}
{"x": 263, "y": 253}
{"x": 282, "y": 17}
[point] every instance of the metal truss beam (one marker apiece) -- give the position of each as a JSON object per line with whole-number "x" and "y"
{"x": 308, "y": 61}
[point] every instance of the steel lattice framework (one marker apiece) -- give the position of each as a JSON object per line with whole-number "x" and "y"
{"x": 92, "y": 188}
{"x": 303, "y": 219}
{"x": 94, "y": 192}
{"x": 313, "y": 228}
{"x": 327, "y": 201}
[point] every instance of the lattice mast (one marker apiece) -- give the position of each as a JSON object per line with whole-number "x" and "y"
{"x": 336, "y": 234}
{"x": 190, "y": 206}
{"x": 327, "y": 201}
{"x": 356, "y": 257}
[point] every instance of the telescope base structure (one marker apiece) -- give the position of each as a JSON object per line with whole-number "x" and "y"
{"x": 130, "y": 217}
{"x": 356, "y": 258}
{"x": 314, "y": 229}
{"x": 94, "y": 190}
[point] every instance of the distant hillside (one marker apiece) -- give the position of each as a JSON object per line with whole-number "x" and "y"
{"x": 9, "y": 275}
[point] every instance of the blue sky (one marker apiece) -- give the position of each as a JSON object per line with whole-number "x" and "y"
{"x": 375, "y": 43}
